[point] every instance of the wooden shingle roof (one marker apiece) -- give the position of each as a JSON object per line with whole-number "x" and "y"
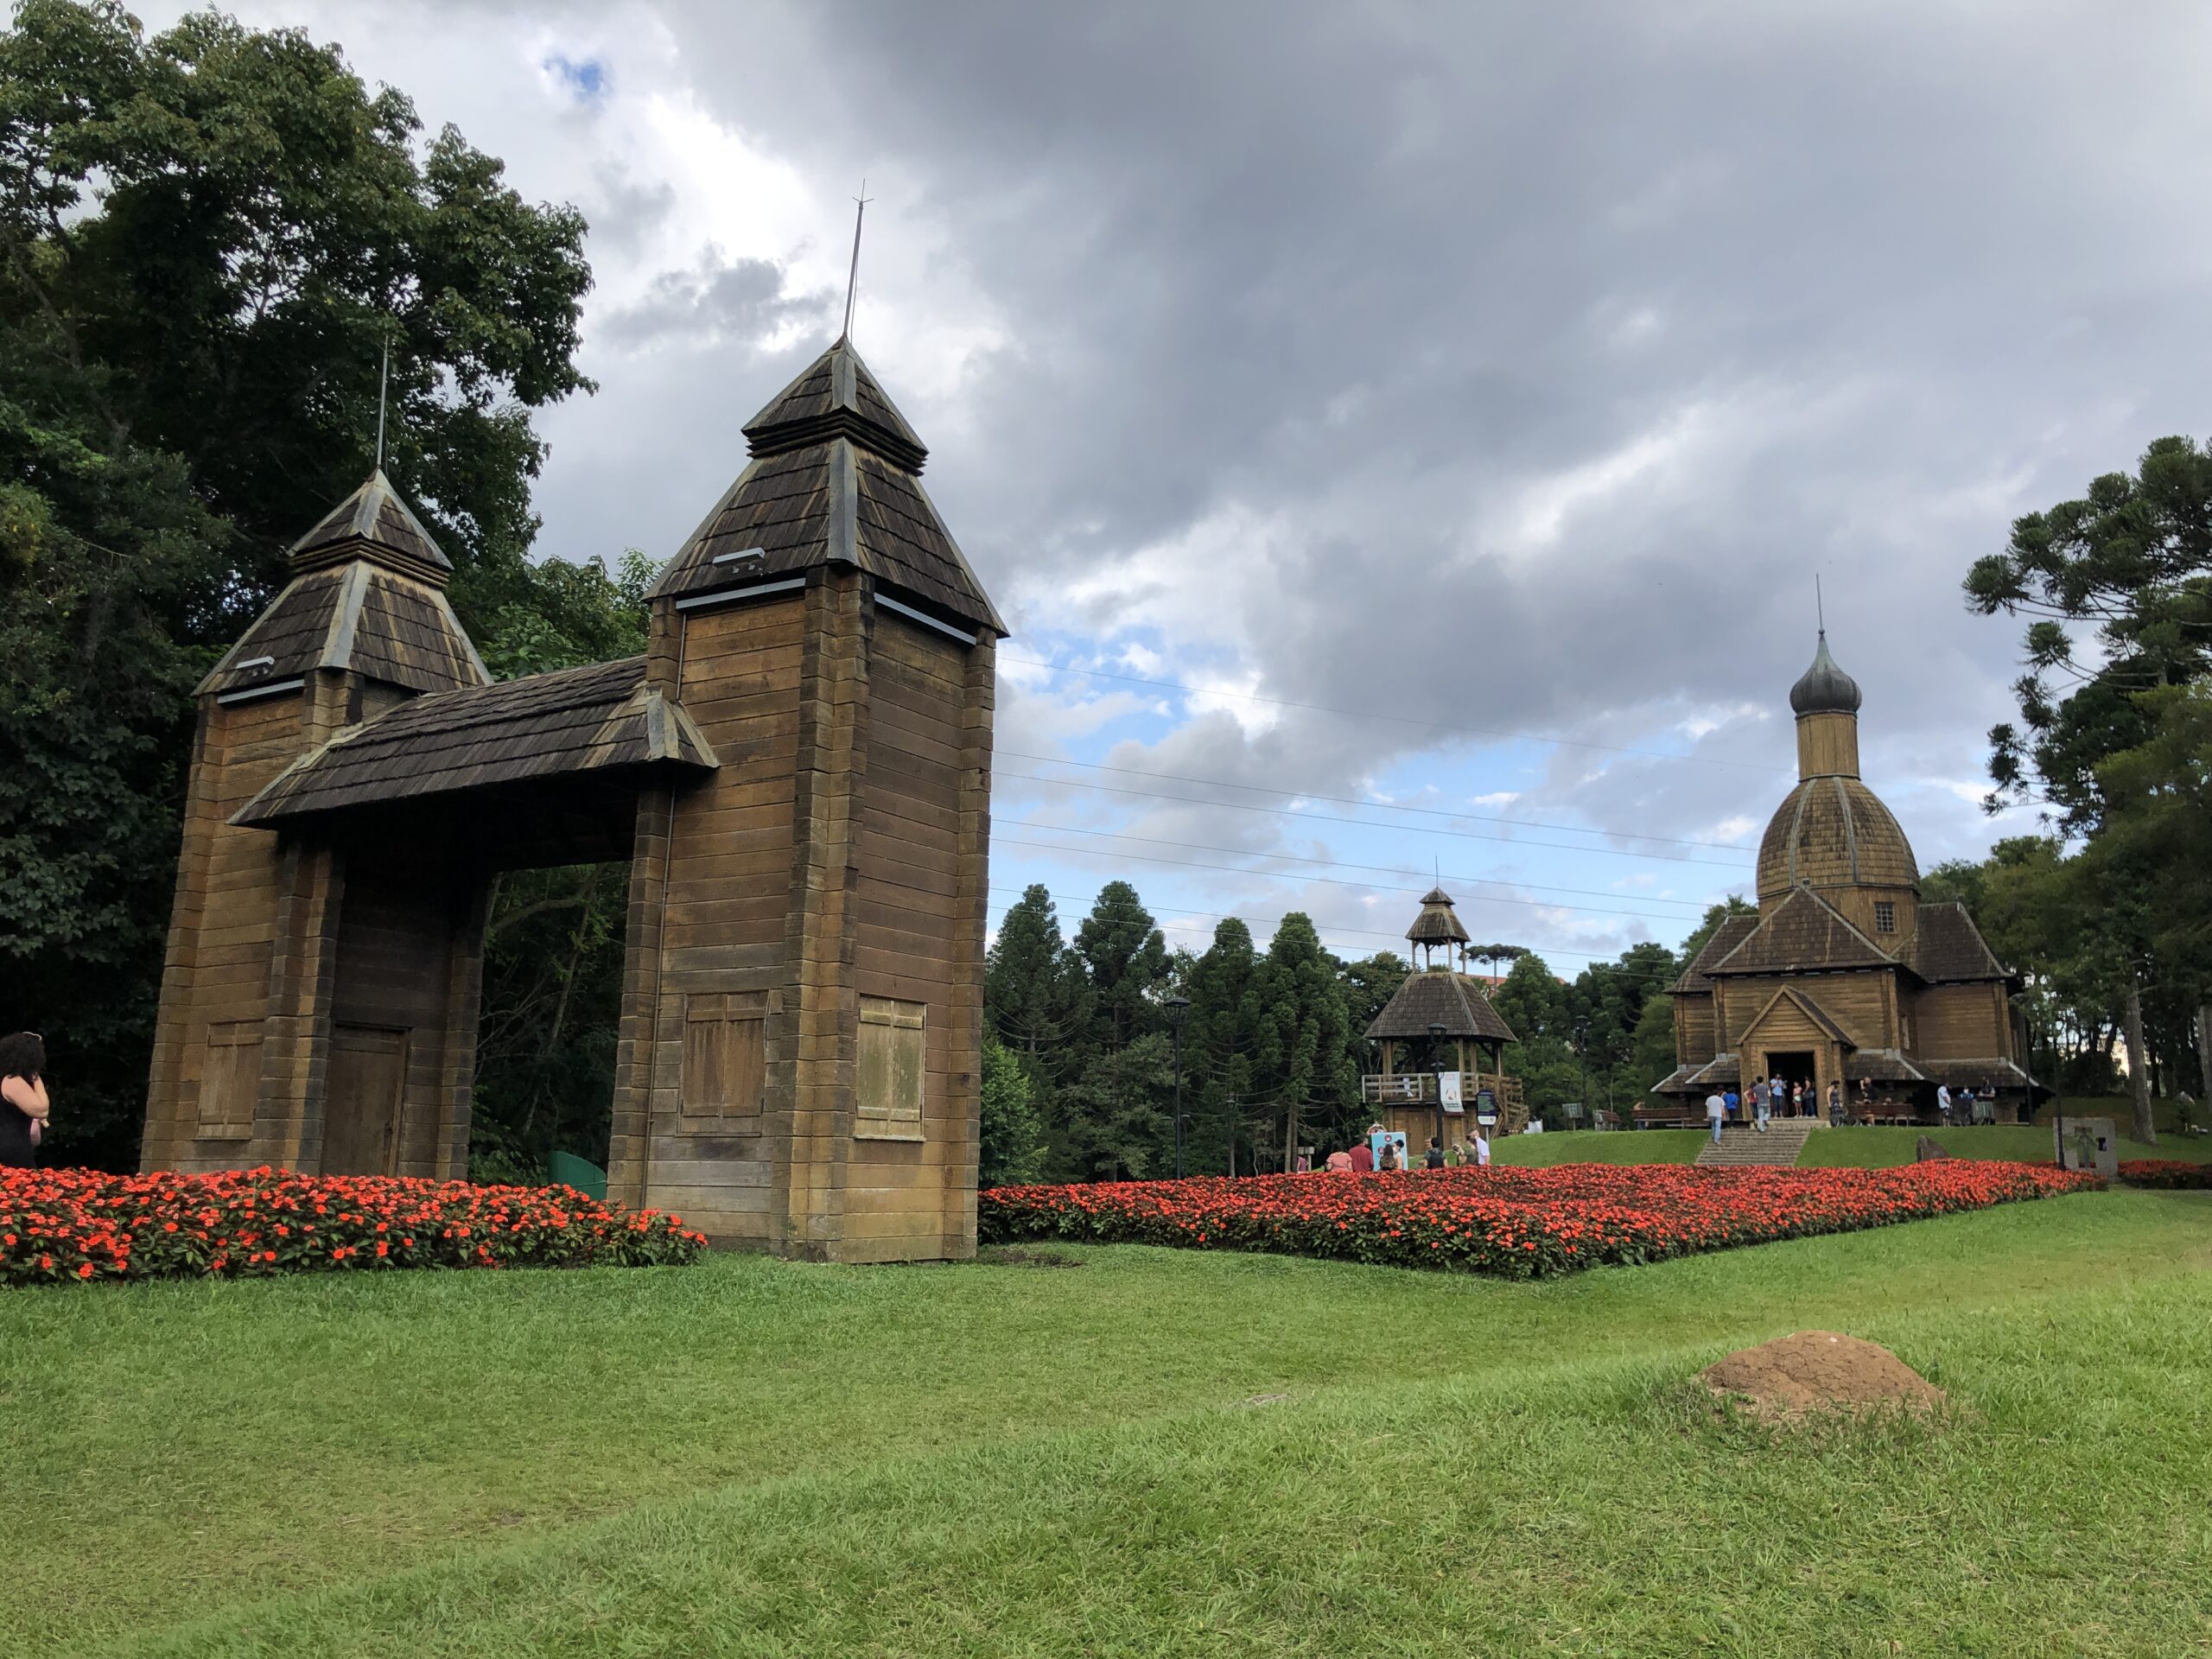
{"x": 579, "y": 720}
{"x": 1436, "y": 996}
{"x": 834, "y": 479}
{"x": 1804, "y": 934}
{"x": 1948, "y": 947}
{"x": 354, "y": 616}
{"x": 373, "y": 523}
{"x": 1438, "y": 923}
{"x": 1731, "y": 932}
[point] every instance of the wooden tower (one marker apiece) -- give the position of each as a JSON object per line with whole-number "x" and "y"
{"x": 296, "y": 977}
{"x": 800, "y": 1058}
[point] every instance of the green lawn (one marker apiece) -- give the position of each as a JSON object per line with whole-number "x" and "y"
{"x": 1150, "y": 1452}
{"x": 1867, "y": 1148}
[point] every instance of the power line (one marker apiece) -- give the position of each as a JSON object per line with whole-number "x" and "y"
{"x": 1343, "y": 864}
{"x": 1331, "y": 817}
{"x": 1286, "y": 875}
{"x": 1347, "y": 800}
{"x": 1402, "y": 720}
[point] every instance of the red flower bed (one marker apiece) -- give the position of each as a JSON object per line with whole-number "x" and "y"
{"x": 2166, "y": 1171}
{"x": 65, "y": 1225}
{"x": 1518, "y": 1222}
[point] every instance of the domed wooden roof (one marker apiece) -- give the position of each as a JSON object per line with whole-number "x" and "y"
{"x": 1834, "y": 832}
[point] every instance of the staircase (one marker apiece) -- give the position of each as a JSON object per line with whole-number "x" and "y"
{"x": 1740, "y": 1144}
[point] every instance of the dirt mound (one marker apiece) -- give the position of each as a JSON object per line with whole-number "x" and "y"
{"x": 1817, "y": 1372}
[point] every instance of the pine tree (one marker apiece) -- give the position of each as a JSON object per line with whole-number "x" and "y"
{"x": 1034, "y": 994}
{"x": 1303, "y": 1060}
{"x": 1126, "y": 960}
{"x": 1219, "y": 1039}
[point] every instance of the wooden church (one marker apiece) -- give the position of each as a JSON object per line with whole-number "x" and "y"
{"x": 1845, "y": 974}
{"x": 797, "y": 770}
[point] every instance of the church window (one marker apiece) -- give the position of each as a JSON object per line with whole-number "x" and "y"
{"x": 1886, "y": 916}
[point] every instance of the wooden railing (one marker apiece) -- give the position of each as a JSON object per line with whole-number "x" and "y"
{"x": 1418, "y": 1088}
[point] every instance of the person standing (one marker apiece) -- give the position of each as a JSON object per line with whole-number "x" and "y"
{"x": 1339, "y": 1162}
{"x": 1362, "y": 1158}
{"x": 1390, "y": 1159}
{"x": 1761, "y": 1106}
{"x": 23, "y": 1108}
{"x": 1482, "y": 1150}
{"x": 1835, "y": 1104}
{"x": 1716, "y": 1112}
{"x": 1735, "y": 1103}
{"x": 1435, "y": 1159}
{"x": 1943, "y": 1103}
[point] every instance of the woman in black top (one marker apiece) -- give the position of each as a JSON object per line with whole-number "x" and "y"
{"x": 22, "y": 1098}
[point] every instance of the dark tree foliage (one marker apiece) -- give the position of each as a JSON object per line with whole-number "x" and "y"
{"x": 2130, "y": 564}
{"x": 208, "y": 238}
{"x": 2104, "y": 735}
{"x": 1126, "y": 961}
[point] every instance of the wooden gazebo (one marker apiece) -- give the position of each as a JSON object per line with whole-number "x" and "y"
{"x": 1440, "y": 1021}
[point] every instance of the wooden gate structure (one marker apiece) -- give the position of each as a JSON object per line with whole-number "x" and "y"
{"x": 797, "y": 770}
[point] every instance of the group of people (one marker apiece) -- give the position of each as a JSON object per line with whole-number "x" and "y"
{"x": 1771, "y": 1098}
{"x": 23, "y": 1108}
{"x": 1381, "y": 1151}
{"x": 1967, "y": 1107}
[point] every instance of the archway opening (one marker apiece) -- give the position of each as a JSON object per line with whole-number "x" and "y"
{"x": 546, "y": 1040}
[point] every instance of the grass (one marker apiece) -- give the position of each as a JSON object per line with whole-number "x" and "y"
{"x": 1144, "y": 1452}
{"x": 1845, "y": 1149}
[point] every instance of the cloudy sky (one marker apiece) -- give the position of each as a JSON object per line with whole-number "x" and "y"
{"x": 1401, "y": 438}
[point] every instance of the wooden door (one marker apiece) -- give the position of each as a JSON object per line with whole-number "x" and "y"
{"x": 360, "y": 1113}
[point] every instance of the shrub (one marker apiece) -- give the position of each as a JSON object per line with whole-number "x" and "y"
{"x": 2166, "y": 1173}
{"x": 64, "y": 1225}
{"x": 1519, "y": 1223}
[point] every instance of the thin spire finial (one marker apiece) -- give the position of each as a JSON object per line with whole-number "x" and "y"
{"x": 1819, "y": 606}
{"x": 383, "y": 382}
{"x": 853, "y": 277}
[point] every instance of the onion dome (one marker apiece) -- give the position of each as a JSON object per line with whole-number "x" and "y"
{"x": 1824, "y": 688}
{"x": 1834, "y": 832}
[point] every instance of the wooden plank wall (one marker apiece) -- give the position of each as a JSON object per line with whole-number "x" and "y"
{"x": 710, "y": 888}
{"x": 918, "y": 937}
{"x": 838, "y": 853}
{"x": 224, "y": 930}
{"x": 1963, "y": 1022}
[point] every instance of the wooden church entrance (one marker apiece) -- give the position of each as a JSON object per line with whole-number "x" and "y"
{"x": 797, "y": 773}
{"x": 1793, "y": 1065}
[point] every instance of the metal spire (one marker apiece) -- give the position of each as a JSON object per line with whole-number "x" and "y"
{"x": 384, "y": 380}
{"x": 853, "y": 279}
{"x": 1820, "y": 609}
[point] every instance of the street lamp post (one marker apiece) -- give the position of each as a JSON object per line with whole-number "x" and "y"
{"x": 1178, "y": 1007}
{"x": 1436, "y": 1041}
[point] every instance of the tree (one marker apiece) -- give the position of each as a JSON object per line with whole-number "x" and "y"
{"x": 1533, "y": 1002}
{"x": 1112, "y": 1121}
{"x": 1303, "y": 1062}
{"x": 1220, "y": 1037}
{"x": 1034, "y": 994}
{"x": 1125, "y": 958}
{"x": 1011, "y": 1139}
{"x": 207, "y": 238}
{"x": 2130, "y": 562}
{"x": 1651, "y": 1055}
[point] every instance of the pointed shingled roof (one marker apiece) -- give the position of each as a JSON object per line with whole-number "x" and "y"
{"x": 375, "y": 523}
{"x": 1437, "y": 997}
{"x": 835, "y": 396}
{"x": 1437, "y": 923}
{"x": 833, "y": 481}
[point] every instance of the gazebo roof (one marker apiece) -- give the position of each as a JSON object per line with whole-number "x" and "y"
{"x": 1437, "y": 925}
{"x": 1437, "y": 997}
